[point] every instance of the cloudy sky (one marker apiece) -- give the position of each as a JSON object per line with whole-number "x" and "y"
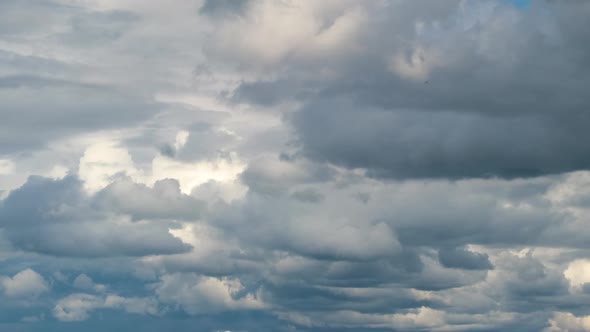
{"x": 294, "y": 165}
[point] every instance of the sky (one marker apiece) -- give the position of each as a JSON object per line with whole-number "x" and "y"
{"x": 294, "y": 165}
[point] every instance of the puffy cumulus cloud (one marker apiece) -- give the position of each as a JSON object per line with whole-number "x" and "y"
{"x": 79, "y": 306}
{"x": 526, "y": 279}
{"x": 315, "y": 230}
{"x": 101, "y": 162}
{"x": 199, "y": 295}
{"x": 565, "y": 321}
{"x": 56, "y": 217}
{"x": 27, "y": 284}
{"x": 490, "y": 212}
{"x": 578, "y": 273}
{"x": 163, "y": 201}
{"x": 391, "y": 240}
{"x": 213, "y": 254}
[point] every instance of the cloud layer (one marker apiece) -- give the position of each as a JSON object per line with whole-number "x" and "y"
{"x": 296, "y": 165}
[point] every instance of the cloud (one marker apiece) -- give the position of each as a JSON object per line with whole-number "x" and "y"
{"x": 6, "y": 167}
{"x": 280, "y": 31}
{"x": 305, "y": 165}
{"x": 461, "y": 258}
{"x": 198, "y": 295}
{"x": 565, "y": 321}
{"x": 442, "y": 144}
{"x": 270, "y": 174}
{"x": 418, "y": 109}
{"x": 212, "y": 7}
{"x": 65, "y": 107}
{"x": 27, "y": 284}
{"x": 79, "y": 306}
{"x": 578, "y": 276}
{"x": 56, "y": 217}
{"x": 84, "y": 282}
{"x": 163, "y": 201}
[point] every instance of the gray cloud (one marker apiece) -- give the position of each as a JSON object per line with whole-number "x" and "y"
{"x": 56, "y": 217}
{"x": 308, "y": 195}
{"x": 352, "y": 165}
{"x": 465, "y": 259}
{"x": 406, "y": 144}
{"x": 64, "y": 108}
{"x": 223, "y": 7}
{"x": 459, "y": 96}
{"x": 163, "y": 201}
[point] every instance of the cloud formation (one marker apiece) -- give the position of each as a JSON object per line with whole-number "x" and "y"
{"x": 294, "y": 165}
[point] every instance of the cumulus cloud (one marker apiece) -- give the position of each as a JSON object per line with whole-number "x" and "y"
{"x": 198, "y": 295}
{"x": 56, "y": 217}
{"x": 25, "y": 284}
{"x": 79, "y": 306}
{"x": 565, "y": 321}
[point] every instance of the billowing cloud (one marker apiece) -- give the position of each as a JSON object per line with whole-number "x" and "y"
{"x": 25, "y": 284}
{"x": 198, "y": 295}
{"x": 56, "y": 217}
{"x": 453, "y": 95}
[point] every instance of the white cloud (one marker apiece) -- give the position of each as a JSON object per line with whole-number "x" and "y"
{"x": 193, "y": 174}
{"x": 101, "y": 162}
{"x": 566, "y": 322}
{"x": 24, "y": 285}
{"x": 578, "y": 273}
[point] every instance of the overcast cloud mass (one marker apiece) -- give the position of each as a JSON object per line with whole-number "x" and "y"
{"x": 294, "y": 165}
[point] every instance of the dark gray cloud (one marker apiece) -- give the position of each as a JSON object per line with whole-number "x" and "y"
{"x": 442, "y": 144}
{"x": 456, "y": 96}
{"x": 463, "y": 259}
